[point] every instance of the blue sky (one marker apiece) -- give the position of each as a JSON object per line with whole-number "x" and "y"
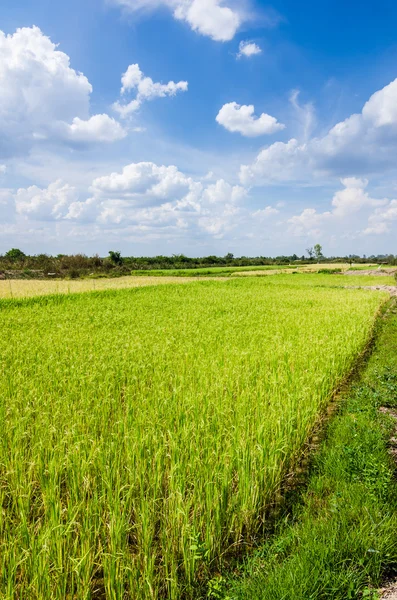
{"x": 244, "y": 127}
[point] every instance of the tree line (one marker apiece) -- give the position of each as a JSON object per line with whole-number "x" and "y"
{"x": 15, "y": 263}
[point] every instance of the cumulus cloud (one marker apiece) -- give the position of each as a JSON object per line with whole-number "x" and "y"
{"x": 345, "y": 205}
{"x": 145, "y": 88}
{"x": 144, "y": 196}
{"x": 278, "y": 162}
{"x": 364, "y": 143}
{"x": 309, "y": 222}
{"x": 42, "y": 98}
{"x": 139, "y": 182}
{"x": 213, "y": 18}
{"x": 223, "y": 192}
{"x": 248, "y": 49}
{"x": 51, "y": 203}
{"x": 353, "y": 197}
{"x": 99, "y": 128}
{"x": 265, "y": 213}
{"x": 241, "y": 119}
{"x": 383, "y": 219}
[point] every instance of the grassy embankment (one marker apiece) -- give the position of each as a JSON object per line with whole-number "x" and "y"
{"x": 340, "y": 540}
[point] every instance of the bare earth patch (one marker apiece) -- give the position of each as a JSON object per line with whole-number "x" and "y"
{"x": 374, "y": 272}
{"x": 389, "y": 593}
{"x": 392, "y": 289}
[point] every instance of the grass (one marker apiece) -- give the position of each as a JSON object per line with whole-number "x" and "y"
{"x": 340, "y": 540}
{"x": 144, "y": 433}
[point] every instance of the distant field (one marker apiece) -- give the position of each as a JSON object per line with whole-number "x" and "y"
{"x": 25, "y": 288}
{"x": 19, "y": 288}
{"x": 318, "y": 279}
{"x": 227, "y": 271}
{"x": 145, "y": 432}
{"x": 206, "y": 271}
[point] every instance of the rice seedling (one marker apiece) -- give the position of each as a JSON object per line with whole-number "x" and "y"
{"x": 145, "y": 432}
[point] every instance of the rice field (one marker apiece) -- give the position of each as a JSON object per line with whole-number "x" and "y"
{"x": 249, "y": 270}
{"x": 25, "y": 288}
{"x": 145, "y": 432}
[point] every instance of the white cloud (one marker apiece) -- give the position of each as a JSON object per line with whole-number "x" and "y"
{"x": 346, "y": 204}
{"x": 99, "y": 128}
{"x": 381, "y": 221}
{"x": 212, "y": 18}
{"x": 381, "y": 108}
{"x": 51, "y": 203}
{"x": 146, "y": 89}
{"x": 41, "y": 96}
{"x": 3, "y": 169}
{"x": 146, "y": 198}
{"x": 305, "y": 114}
{"x": 265, "y": 213}
{"x": 223, "y": 192}
{"x": 309, "y": 222}
{"x": 353, "y": 198}
{"x": 248, "y": 49}
{"x": 241, "y": 119}
{"x": 278, "y": 162}
{"x": 364, "y": 143}
{"x": 139, "y": 181}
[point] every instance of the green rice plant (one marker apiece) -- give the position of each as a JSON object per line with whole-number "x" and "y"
{"x": 145, "y": 432}
{"x": 339, "y": 540}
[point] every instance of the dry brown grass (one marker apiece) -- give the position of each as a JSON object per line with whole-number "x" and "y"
{"x": 16, "y": 288}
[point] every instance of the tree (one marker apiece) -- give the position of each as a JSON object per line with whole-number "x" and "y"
{"x": 318, "y": 252}
{"x": 310, "y": 252}
{"x": 15, "y": 254}
{"x": 115, "y": 257}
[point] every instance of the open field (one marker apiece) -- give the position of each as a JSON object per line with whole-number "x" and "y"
{"x": 262, "y": 269}
{"x": 145, "y": 432}
{"x": 20, "y": 288}
{"x": 27, "y": 288}
{"x": 324, "y": 280}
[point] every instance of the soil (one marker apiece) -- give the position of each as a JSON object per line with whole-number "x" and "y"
{"x": 374, "y": 272}
{"x": 389, "y": 592}
{"x": 392, "y": 289}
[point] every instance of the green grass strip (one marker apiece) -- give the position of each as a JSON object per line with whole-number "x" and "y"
{"x": 340, "y": 541}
